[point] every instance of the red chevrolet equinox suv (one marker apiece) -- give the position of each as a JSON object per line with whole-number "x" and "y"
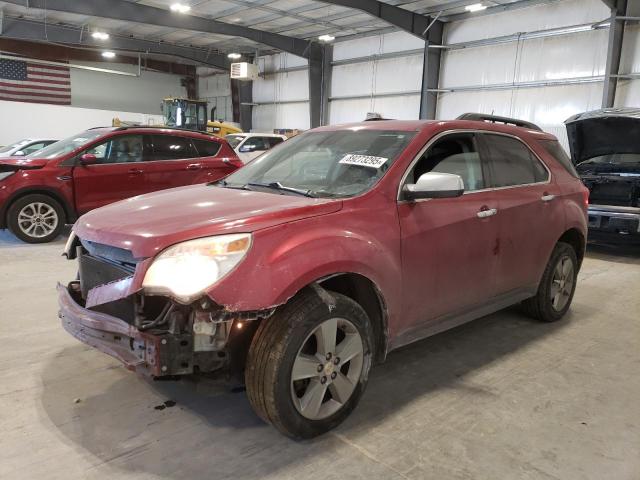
{"x": 43, "y": 191}
{"x": 311, "y": 263}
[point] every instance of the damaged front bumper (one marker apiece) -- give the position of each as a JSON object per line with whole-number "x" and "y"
{"x": 141, "y": 352}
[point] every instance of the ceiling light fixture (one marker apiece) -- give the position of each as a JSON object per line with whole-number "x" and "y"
{"x": 326, "y": 38}
{"x": 108, "y": 54}
{"x": 180, "y": 8}
{"x": 100, "y": 35}
{"x": 476, "y": 7}
{"x": 234, "y": 56}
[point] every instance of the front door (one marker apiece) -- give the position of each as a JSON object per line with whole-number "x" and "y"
{"x": 118, "y": 173}
{"x": 448, "y": 244}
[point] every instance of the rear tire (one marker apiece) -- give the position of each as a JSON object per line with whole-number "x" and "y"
{"x": 294, "y": 382}
{"x": 36, "y": 218}
{"x": 557, "y": 286}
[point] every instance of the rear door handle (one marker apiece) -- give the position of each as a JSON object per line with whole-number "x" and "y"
{"x": 194, "y": 166}
{"x": 135, "y": 171}
{"x": 487, "y": 212}
{"x": 547, "y": 198}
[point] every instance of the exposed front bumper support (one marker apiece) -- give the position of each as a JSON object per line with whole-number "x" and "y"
{"x": 141, "y": 352}
{"x": 612, "y": 221}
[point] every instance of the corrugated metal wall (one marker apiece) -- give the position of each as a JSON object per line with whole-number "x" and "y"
{"x": 383, "y": 73}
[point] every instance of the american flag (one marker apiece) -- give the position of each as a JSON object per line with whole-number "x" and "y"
{"x": 24, "y": 81}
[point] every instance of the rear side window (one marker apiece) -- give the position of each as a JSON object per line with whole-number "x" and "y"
{"x": 554, "y": 149}
{"x": 170, "y": 147}
{"x": 512, "y": 162}
{"x": 206, "y": 148}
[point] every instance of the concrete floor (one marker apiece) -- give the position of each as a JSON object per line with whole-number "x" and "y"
{"x": 500, "y": 398}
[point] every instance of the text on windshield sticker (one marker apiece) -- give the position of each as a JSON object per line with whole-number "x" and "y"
{"x": 363, "y": 160}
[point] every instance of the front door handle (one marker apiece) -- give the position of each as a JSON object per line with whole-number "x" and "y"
{"x": 135, "y": 171}
{"x": 194, "y": 166}
{"x": 546, "y": 197}
{"x": 487, "y": 212}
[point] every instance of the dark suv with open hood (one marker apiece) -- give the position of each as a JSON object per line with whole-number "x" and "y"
{"x": 605, "y": 148}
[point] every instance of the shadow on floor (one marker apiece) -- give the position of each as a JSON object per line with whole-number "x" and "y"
{"x": 8, "y": 239}
{"x": 213, "y": 433}
{"x": 619, "y": 253}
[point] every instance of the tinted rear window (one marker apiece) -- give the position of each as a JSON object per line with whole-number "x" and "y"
{"x": 170, "y": 147}
{"x": 206, "y": 148}
{"x": 554, "y": 149}
{"x": 512, "y": 163}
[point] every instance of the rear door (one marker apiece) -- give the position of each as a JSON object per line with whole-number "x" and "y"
{"x": 213, "y": 167}
{"x": 529, "y": 211}
{"x": 118, "y": 173}
{"x": 172, "y": 161}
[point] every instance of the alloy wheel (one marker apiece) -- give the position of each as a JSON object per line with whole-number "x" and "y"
{"x": 562, "y": 283}
{"x": 327, "y": 369}
{"x": 37, "y": 219}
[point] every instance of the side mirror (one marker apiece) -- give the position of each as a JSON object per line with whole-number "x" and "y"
{"x": 434, "y": 185}
{"x": 88, "y": 159}
{"x": 19, "y": 153}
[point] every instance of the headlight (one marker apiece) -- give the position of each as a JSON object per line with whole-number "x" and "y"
{"x": 187, "y": 269}
{"x": 4, "y": 175}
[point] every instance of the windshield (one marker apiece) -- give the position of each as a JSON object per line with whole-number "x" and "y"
{"x": 342, "y": 163}
{"x": 8, "y": 148}
{"x": 234, "y": 140}
{"x": 67, "y": 145}
{"x": 615, "y": 158}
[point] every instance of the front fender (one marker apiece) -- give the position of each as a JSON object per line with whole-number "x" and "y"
{"x": 286, "y": 259}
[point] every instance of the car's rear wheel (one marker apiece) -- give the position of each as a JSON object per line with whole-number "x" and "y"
{"x": 36, "y": 218}
{"x": 557, "y": 286}
{"x": 308, "y": 365}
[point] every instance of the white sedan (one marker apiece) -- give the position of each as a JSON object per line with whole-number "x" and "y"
{"x": 249, "y": 145}
{"x": 25, "y": 147}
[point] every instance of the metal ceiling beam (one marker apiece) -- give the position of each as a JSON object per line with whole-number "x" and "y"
{"x": 20, "y": 29}
{"x": 135, "y": 12}
{"x": 411, "y": 22}
{"x": 614, "y": 53}
{"x": 497, "y": 9}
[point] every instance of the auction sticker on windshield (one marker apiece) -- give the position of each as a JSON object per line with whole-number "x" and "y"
{"x": 363, "y": 160}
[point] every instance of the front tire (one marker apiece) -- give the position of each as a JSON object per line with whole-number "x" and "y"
{"x": 308, "y": 365}
{"x": 36, "y": 218}
{"x": 557, "y": 286}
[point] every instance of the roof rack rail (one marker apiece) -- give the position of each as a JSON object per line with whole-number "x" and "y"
{"x": 482, "y": 117}
{"x": 127, "y": 127}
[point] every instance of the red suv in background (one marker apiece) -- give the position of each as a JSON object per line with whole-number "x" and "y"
{"x": 316, "y": 259}
{"x": 43, "y": 191}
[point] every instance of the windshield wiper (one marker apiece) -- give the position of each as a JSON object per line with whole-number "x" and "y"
{"x": 281, "y": 188}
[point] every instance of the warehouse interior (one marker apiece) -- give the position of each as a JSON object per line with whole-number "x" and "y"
{"x": 502, "y": 396}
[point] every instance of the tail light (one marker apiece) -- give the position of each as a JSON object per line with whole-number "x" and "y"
{"x": 585, "y": 197}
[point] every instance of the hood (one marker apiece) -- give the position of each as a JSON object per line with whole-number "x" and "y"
{"x": 603, "y": 132}
{"x": 149, "y": 223}
{"x": 21, "y": 163}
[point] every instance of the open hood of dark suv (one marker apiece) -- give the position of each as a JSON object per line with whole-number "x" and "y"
{"x": 603, "y": 132}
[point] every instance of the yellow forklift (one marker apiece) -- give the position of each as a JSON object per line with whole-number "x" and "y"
{"x": 192, "y": 114}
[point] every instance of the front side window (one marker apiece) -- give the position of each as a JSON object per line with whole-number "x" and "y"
{"x": 457, "y": 154}
{"x": 34, "y": 147}
{"x": 169, "y": 147}
{"x": 332, "y": 164}
{"x": 120, "y": 149}
{"x": 512, "y": 162}
{"x": 254, "y": 144}
{"x": 273, "y": 141}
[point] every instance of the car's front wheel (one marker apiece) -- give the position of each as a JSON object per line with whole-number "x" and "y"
{"x": 36, "y": 218}
{"x": 308, "y": 364}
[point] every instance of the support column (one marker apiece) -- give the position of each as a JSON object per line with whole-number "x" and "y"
{"x": 614, "y": 50}
{"x": 320, "y": 57}
{"x": 242, "y": 103}
{"x": 431, "y": 72}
